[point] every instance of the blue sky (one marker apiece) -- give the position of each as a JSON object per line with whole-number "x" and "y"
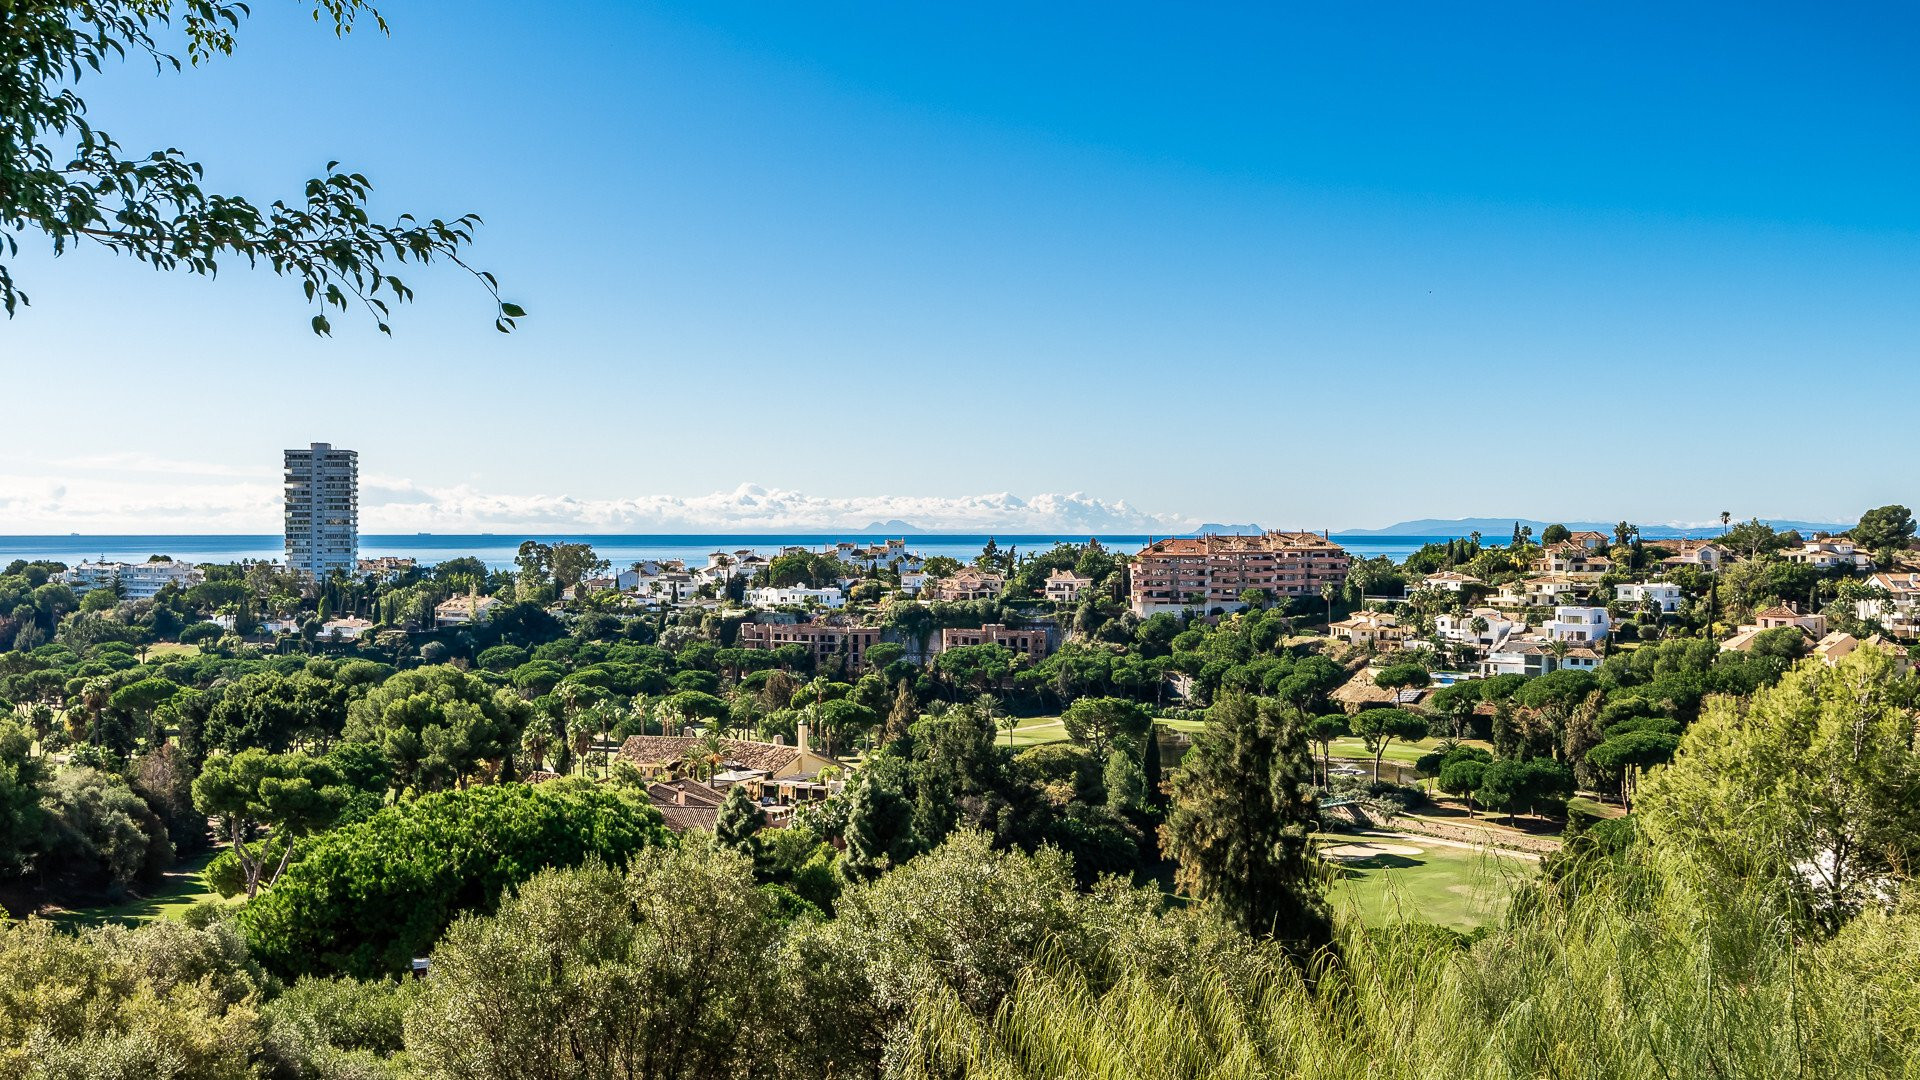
{"x": 1329, "y": 266}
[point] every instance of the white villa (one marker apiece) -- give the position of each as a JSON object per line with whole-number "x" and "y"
{"x": 1450, "y": 580}
{"x": 460, "y": 610}
{"x": 1899, "y": 610}
{"x": 1664, "y": 594}
{"x": 1459, "y": 629}
{"x": 770, "y": 597}
{"x": 1578, "y": 624}
{"x": 1705, "y": 554}
{"x": 1534, "y": 656}
{"x": 1829, "y": 553}
{"x": 1540, "y": 590}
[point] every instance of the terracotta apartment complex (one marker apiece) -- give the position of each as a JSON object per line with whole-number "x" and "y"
{"x": 825, "y": 640}
{"x": 1208, "y": 572}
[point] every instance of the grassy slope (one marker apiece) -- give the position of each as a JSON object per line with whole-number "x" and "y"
{"x": 180, "y": 889}
{"x": 1453, "y": 887}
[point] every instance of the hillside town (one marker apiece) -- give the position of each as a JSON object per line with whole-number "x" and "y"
{"x": 875, "y": 541}
{"x": 778, "y": 671}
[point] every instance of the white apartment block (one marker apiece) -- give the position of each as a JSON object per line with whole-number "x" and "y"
{"x": 1662, "y": 593}
{"x": 130, "y": 581}
{"x": 323, "y": 510}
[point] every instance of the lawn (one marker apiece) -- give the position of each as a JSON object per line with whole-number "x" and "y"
{"x": 1404, "y": 752}
{"x": 1452, "y": 887}
{"x": 162, "y": 650}
{"x": 1038, "y": 730}
{"x": 1035, "y": 731}
{"x": 180, "y": 889}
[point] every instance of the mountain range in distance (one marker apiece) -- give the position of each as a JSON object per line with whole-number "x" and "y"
{"x": 908, "y": 528}
{"x": 1498, "y": 529}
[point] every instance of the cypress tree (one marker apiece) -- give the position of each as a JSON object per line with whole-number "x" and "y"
{"x": 904, "y": 712}
{"x": 1243, "y": 814}
{"x": 1150, "y": 767}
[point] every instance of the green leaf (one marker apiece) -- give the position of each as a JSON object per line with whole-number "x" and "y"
{"x": 321, "y": 327}
{"x": 512, "y": 311}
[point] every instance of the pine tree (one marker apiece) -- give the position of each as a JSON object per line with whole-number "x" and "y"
{"x": 1243, "y": 813}
{"x": 879, "y": 830}
{"x": 739, "y": 822}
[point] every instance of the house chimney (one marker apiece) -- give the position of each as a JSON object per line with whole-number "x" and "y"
{"x": 680, "y": 796}
{"x": 800, "y": 738}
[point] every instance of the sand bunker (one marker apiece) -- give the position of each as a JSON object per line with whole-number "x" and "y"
{"x": 1361, "y": 851}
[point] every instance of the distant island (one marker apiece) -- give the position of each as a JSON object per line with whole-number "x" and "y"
{"x": 1499, "y": 527}
{"x": 1213, "y": 528}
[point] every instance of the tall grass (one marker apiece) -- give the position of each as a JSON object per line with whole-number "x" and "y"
{"x": 1641, "y": 975}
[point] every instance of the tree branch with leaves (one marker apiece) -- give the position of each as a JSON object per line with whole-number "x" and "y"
{"x": 67, "y": 180}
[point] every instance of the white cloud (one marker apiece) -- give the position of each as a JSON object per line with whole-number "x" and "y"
{"x": 205, "y": 501}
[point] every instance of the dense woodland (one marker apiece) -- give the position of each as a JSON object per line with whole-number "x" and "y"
{"x": 966, "y": 905}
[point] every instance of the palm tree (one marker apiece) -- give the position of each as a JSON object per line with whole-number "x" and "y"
{"x": 1328, "y": 591}
{"x": 535, "y": 741}
{"x": 40, "y": 719}
{"x": 705, "y": 755}
{"x": 93, "y": 698}
{"x": 1726, "y": 518}
{"x": 580, "y": 732}
{"x": 1558, "y": 648}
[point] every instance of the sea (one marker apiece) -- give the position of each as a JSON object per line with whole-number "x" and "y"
{"x": 497, "y": 549}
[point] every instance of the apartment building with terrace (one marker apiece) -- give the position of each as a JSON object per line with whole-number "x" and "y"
{"x": 1031, "y": 642}
{"x": 1208, "y": 572}
{"x": 825, "y": 640}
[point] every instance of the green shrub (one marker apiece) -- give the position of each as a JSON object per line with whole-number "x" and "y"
{"x": 365, "y": 899}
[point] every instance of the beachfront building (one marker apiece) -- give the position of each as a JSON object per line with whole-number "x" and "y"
{"x": 129, "y": 581}
{"x": 322, "y": 510}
